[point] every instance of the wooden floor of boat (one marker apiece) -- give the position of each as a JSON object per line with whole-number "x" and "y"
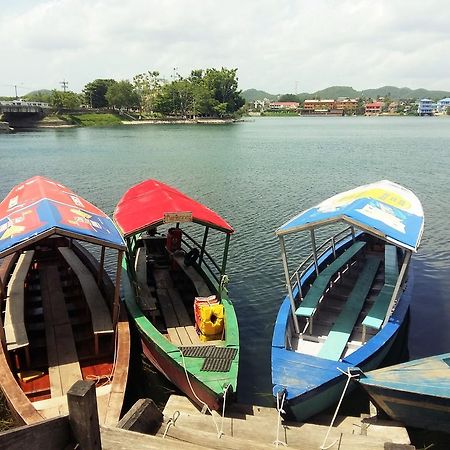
{"x": 180, "y": 328}
{"x": 64, "y": 368}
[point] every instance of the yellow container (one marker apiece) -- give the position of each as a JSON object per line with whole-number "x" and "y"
{"x": 211, "y": 320}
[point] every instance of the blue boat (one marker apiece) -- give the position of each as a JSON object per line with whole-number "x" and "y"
{"x": 348, "y": 301}
{"x": 416, "y": 393}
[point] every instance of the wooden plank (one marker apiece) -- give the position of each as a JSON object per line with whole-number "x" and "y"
{"x": 53, "y": 434}
{"x": 183, "y": 336}
{"x": 179, "y": 307}
{"x": 14, "y": 324}
{"x": 199, "y": 283}
{"x": 64, "y": 368}
{"x": 170, "y": 317}
{"x": 193, "y": 335}
{"x": 173, "y": 336}
{"x": 101, "y": 317}
{"x": 143, "y": 417}
{"x": 83, "y": 415}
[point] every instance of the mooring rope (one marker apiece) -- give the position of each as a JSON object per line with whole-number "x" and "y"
{"x": 221, "y": 433}
{"x": 349, "y": 377}
{"x": 280, "y": 410}
{"x": 171, "y": 422}
{"x": 205, "y": 406}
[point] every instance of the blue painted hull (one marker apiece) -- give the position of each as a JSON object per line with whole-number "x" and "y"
{"x": 416, "y": 393}
{"x": 412, "y": 409}
{"x": 312, "y": 384}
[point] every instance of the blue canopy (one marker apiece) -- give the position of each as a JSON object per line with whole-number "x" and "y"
{"x": 39, "y": 207}
{"x": 384, "y": 208}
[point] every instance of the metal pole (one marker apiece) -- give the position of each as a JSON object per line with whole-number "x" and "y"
{"x": 313, "y": 242}
{"x": 116, "y": 305}
{"x": 225, "y": 254}
{"x": 288, "y": 284}
{"x": 202, "y": 250}
{"x": 353, "y": 233}
{"x": 398, "y": 285}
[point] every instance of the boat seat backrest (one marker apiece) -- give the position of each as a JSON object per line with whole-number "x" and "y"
{"x": 310, "y": 302}
{"x": 377, "y": 313}
{"x": 15, "y": 331}
{"x": 342, "y": 329}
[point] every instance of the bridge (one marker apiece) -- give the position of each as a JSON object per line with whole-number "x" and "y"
{"x": 21, "y": 113}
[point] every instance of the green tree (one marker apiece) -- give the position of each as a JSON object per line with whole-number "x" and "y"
{"x": 122, "y": 95}
{"x": 289, "y": 98}
{"x": 67, "y": 100}
{"x": 147, "y": 85}
{"x": 95, "y": 92}
{"x": 223, "y": 85}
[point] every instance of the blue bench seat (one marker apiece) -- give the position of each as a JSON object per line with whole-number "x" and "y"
{"x": 377, "y": 312}
{"x": 340, "y": 333}
{"x": 309, "y": 304}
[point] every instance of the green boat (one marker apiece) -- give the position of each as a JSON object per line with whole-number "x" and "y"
{"x": 175, "y": 291}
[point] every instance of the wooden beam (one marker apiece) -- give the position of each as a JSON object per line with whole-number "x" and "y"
{"x": 52, "y": 434}
{"x": 143, "y": 417}
{"x": 83, "y": 414}
{"x": 102, "y": 263}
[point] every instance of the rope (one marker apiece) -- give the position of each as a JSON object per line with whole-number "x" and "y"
{"x": 107, "y": 378}
{"x": 349, "y": 377}
{"x": 171, "y": 422}
{"x": 205, "y": 406}
{"x": 280, "y": 410}
{"x": 221, "y": 433}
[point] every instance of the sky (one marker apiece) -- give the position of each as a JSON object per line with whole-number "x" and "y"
{"x": 279, "y": 46}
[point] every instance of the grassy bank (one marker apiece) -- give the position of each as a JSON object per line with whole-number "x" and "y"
{"x": 92, "y": 120}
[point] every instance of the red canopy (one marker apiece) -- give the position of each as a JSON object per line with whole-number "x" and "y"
{"x": 152, "y": 203}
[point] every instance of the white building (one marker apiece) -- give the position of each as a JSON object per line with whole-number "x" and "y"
{"x": 425, "y": 107}
{"x": 443, "y": 105}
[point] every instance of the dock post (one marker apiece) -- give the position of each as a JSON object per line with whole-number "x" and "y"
{"x": 83, "y": 414}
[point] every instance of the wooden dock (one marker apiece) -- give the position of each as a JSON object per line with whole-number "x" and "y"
{"x": 182, "y": 426}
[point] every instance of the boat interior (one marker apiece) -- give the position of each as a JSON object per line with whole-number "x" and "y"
{"x": 57, "y": 321}
{"x": 167, "y": 285}
{"x": 346, "y": 303}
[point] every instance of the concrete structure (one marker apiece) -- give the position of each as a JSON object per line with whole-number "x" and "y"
{"x": 284, "y": 105}
{"x": 318, "y": 105}
{"x": 443, "y": 105}
{"x": 349, "y": 105}
{"x": 373, "y": 108}
{"x": 425, "y": 107}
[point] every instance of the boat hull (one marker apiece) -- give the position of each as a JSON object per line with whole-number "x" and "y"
{"x": 413, "y": 409}
{"x": 185, "y": 372}
{"x": 306, "y": 399}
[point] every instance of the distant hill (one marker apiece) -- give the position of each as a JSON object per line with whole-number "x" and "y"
{"x": 405, "y": 93}
{"x": 392, "y": 92}
{"x": 42, "y": 95}
{"x": 251, "y": 95}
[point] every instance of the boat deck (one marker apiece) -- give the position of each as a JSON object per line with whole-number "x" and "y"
{"x": 173, "y": 287}
{"x": 336, "y": 300}
{"x": 60, "y": 333}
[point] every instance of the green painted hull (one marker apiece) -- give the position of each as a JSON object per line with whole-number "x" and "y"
{"x": 185, "y": 372}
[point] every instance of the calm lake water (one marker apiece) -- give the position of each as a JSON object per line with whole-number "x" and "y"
{"x": 257, "y": 174}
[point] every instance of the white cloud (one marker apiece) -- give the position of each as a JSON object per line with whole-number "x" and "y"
{"x": 276, "y": 45}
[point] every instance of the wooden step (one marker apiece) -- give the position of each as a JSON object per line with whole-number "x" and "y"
{"x": 243, "y": 424}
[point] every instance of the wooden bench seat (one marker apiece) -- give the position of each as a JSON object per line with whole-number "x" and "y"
{"x": 146, "y": 300}
{"x": 377, "y": 312}
{"x": 342, "y": 329}
{"x": 309, "y": 304}
{"x": 199, "y": 283}
{"x": 100, "y": 315}
{"x": 15, "y": 331}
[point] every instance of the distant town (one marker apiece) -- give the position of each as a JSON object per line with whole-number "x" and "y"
{"x": 351, "y": 106}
